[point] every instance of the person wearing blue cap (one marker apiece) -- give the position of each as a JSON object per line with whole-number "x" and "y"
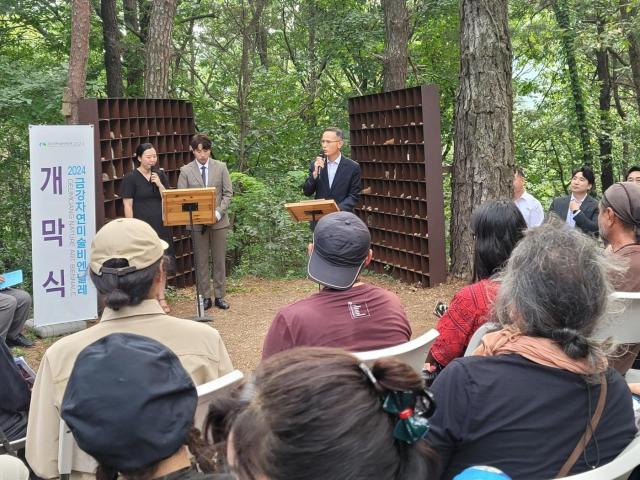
{"x": 130, "y": 404}
{"x": 347, "y": 313}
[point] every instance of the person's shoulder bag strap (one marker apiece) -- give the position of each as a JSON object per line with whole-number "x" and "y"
{"x": 586, "y": 436}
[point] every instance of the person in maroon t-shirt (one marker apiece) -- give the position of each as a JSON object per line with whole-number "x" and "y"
{"x": 347, "y": 313}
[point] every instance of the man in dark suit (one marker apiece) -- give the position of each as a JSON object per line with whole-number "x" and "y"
{"x": 204, "y": 171}
{"x": 579, "y": 210}
{"x": 334, "y": 176}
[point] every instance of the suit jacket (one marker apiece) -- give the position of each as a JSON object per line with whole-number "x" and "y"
{"x": 345, "y": 189}
{"x": 191, "y": 177}
{"x": 586, "y": 220}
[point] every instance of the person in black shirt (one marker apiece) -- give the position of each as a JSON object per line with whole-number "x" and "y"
{"x": 15, "y": 396}
{"x": 142, "y": 199}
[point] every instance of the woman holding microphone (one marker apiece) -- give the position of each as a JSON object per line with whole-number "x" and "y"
{"x": 141, "y": 195}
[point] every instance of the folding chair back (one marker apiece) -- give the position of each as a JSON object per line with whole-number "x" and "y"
{"x": 413, "y": 352}
{"x": 476, "y": 338}
{"x": 619, "y": 468}
{"x": 210, "y": 390}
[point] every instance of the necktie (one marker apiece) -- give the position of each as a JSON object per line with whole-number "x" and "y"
{"x": 204, "y": 175}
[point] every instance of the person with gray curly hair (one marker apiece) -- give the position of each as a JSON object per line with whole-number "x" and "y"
{"x": 541, "y": 378}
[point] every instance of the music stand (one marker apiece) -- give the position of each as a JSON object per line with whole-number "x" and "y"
{"x": 311, "y": 210}
{"x": 190, "y": 206}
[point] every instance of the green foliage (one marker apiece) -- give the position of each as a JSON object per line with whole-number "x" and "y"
{"x": 30, "y": 93}
{"x": 266, "y": 116}
{"x": 264, "y": 240}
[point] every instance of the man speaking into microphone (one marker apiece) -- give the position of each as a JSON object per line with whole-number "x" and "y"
{"x": 333, "y": 176}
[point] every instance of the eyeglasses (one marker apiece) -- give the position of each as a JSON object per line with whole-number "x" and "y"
{"x": 322, "y": 142}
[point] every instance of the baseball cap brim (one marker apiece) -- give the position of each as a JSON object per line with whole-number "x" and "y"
{"x": 332, "y": 276}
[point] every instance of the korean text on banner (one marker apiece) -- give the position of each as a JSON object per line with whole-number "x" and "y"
{"x": 63, "y": 222}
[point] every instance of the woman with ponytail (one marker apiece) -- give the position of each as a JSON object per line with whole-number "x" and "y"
{"x": 522, "y": 401}
{"x": 318, "y": 414}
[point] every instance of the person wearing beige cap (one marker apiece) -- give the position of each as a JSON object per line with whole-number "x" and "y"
{"x": 126, "y": 268}
{"x": 619, "y": 225}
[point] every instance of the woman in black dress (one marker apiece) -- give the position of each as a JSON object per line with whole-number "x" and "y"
{"x": 141, "y": 195}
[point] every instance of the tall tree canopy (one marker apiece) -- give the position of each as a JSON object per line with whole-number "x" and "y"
{"x": 266, "y": 76}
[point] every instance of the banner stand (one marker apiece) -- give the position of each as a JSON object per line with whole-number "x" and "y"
{"x": 63, "y": 224}
{"x": 57, "y": 329}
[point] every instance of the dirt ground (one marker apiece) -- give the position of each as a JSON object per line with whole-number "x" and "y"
{"x": 254, "y": 303}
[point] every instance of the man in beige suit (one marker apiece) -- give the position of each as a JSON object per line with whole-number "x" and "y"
{"x": 204, "y": 171}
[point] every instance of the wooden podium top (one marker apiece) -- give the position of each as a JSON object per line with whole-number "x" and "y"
{"x": 309, "y": 210}
{"x": 174, "y": 200}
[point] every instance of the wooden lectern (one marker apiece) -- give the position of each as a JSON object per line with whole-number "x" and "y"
{"x": 311, "y": 210}
{"x": 190, "y": 206}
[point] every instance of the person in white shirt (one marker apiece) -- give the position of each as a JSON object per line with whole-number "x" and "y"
{"x": 528, "y": 205}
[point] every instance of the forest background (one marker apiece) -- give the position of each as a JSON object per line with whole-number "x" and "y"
{"x": 266, "y": 76}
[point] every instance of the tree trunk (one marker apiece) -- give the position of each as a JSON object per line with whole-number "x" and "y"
{"x": 626, "y": 150}
{"x": 250, "y": 18}
{"x": 483, "y": 147}
{"x": 260, "y": 32}
{"x": 628, "y": 14}
{"x": 567, "y": 36}
{"x": 133, "y": 49}
{"x": 78, "y": 56}
{"x": 243, "y": 91}
{"x": 396, "y": 41}
{"x": 158, "y": 49}
{"x": 309, "y": 115}
{"x": 604, "y": 135}
{"x": 111, "y": 38}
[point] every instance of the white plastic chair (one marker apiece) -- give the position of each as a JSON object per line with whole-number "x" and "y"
{"x": 477, "y": 337}
{"x": 66, "y": 443}
{"x": 210, "y": 390}
{"x": 618, "y": 469}
{"x": 625, "y": 326}
{"x": 206, "y": 392}
{"x": 15, "y": 444}
{"x": 413, "y": 352}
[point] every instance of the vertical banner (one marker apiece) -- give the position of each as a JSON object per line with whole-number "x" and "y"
{"x": 63, "y": 222}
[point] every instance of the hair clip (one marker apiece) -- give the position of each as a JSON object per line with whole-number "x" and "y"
{"x": 412, "y": 409}
{"x": 248, "y": 391}
{"x": 369, "y": 374}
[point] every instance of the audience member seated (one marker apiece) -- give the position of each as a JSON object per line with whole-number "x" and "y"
{"x": 347, "y": 313}
{"x": 619, "y": 224}
{"x": 579, "y": 209}
{"x": 129, "y": 403}
{"x": 126, "y": 263}
{"x": 522, "y": 401}
{"x": 14, "y": 310}
{"x": 12, "y": 468}
{"x": 633, "y": 174}
{"x": 14, "y": 397}
{"x": 319, "y": 414}
{"x": 497, "y": 226}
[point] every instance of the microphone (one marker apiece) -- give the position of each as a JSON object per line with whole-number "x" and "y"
{"x": 324, "y": 158}
{"x": 155, "y": 170}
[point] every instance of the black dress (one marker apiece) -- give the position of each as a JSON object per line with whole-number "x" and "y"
{"x": 147, "y": 203}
